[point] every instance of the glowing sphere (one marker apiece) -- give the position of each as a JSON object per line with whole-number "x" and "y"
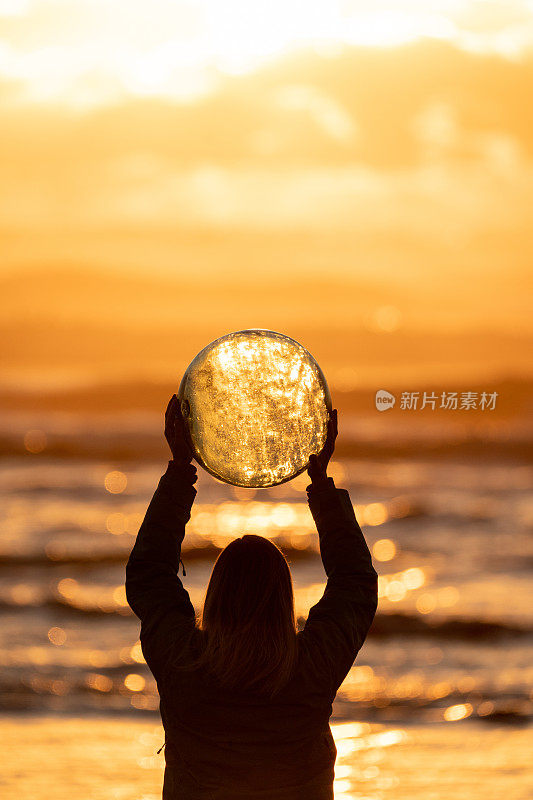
{"x": 256, "y": 407}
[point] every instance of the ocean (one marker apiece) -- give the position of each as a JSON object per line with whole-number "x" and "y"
{"x": 441, "y": 688}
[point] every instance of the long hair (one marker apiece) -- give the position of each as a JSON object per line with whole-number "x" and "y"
{"x": 248, "y": 620}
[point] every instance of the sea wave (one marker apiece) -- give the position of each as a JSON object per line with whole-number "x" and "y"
{"x": 394, "y": 624}
{"x": 149, "y": 448}
{"x": 118, "y": 689}
{"x": 386, "y": 624}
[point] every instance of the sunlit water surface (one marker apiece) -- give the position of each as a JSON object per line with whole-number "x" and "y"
{"x": 106, "y": 758}
{"x": 437, "y": 705}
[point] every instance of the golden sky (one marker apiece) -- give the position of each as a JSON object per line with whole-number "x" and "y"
{"x": 86, "y": 52}
{"x": 332, "y": 166}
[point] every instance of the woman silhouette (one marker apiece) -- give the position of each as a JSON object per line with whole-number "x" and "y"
{"x": 245, "y": 698}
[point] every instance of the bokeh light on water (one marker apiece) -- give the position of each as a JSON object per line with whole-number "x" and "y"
{"x": 115, "y": 482}
{"x": 433, "y": 663}
{"x": 116, "y": 759}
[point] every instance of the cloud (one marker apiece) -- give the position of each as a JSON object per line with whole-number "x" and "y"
{"x": 494, "y": 16}
{"x": 358, "y": 107}
{"x": 149, "y": 47}
{"x": 423, "y": 138}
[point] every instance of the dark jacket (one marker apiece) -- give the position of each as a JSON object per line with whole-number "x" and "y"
{"x": 222, "y": 745}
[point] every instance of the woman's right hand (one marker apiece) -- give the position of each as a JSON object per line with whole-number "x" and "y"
{"x": 318, "y": 463}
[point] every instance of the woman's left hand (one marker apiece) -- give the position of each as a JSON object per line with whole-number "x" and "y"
{"x": 175, "y": 432}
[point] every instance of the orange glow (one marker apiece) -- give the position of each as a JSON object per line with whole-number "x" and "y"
{"x": 99, "y": 659}
{"x": 24, "y": 594}
{"x": 426, "y": 603}
{"x": 115, "y": 482}
{"x": 485, "y": 708}
{"x": 136, "y": 653}
{"x": 57, "y": 636}
{"x": 374, "y": 514}
{"x": 133, "y": 523}
{"x": 67, "y": 587}
{"x": 395, "y": 591}
{"x": 134, "y": 682}
{"x": 384, "y": 550}
{"x": 439, "y": 690}
{"x": 116, "y": 523}
{"x": 119, "y": 596}
{"x": 221, "y": 523}
{"x": 100, "y": 683}
{"x": 362, "y": 674}
{"x": 395, "y": 586}
{"x": 458, "y": 712}
{"x": 35, "y": 440}
{"x": 448, "y": 596}
{"x": 413, "y": 578}
{"x": 336, "y": 469}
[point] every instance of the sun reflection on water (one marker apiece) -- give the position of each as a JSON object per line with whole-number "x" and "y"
{"x": 457, "y": 712}
{"x": 116, "y": 482}
{"x": 361, "y": 772}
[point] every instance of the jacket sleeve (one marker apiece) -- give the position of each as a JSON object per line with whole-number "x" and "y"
{"x": 153, "y": 589}
{"x": 338, "y": 624}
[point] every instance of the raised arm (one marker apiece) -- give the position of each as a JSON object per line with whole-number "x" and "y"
{"x": 153, "y": 589}
{"x": 338, "y": 624}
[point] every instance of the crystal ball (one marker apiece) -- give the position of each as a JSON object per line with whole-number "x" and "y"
{"x": 256, "y": 404}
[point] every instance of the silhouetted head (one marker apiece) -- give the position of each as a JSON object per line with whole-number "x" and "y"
{"x": 248, "y": 617}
